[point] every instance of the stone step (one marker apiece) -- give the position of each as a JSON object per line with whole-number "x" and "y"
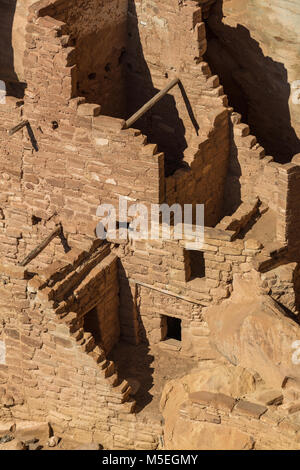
{"x": 170, "y": 344}
{"x": 113, "y": 380}
{"x": 109, "y": 369}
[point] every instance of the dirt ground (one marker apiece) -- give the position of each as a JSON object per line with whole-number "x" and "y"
{"x": 152, "y": 368}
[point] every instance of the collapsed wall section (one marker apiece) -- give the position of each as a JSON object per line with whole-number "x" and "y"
{"x": 98, "y": 30}
{"x": 253, "y": 174}
{"x": 68, "y": 159}
{"x": 190, "y": 125}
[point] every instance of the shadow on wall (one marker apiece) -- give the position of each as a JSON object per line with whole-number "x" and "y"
{"x": 7, "y": 59}
{"x": 162, "y": 124}
{"x": 296, "y": 281}
{"x": 232, "y": 186}
{"x": 132, "y": 361}
{"x": 256, "y": 85}
{"x": 7, "y": 13}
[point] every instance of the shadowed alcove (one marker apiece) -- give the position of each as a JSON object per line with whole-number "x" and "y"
{"x": 256, "y": 85}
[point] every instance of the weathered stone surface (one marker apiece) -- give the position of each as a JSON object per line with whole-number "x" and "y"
{"x": 202, "y": 398}
{"x": 27, "y": 430}
{"x": 53, "y": 441}
{"x": 207, "y": 436}
{"x": 249, "y": 53}
{"x": 6, "y": 428}
{"x": 57, "y": 329}
{"x": 91, "y": 446}
{"x": 253, "y": 410}
{"x": 270, "y": 397}
{"x": 215, "y": 400}
{"x": 252, "y": 331}
{"x": 15, "y": 444}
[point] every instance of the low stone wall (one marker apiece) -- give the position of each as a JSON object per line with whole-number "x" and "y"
{"x": 217, "y": 421}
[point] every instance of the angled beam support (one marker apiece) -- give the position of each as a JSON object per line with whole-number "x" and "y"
{"x": 150, "y": 103}
{"x": 17, "y": 128}
{"x": 33, "y": 254}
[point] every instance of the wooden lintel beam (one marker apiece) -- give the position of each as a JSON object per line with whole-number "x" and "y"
{"x": 150, "y": 103}
{"x": 33, "y": 254}
{"x": 18, "y": 127}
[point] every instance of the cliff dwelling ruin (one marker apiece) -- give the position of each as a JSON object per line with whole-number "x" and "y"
{"x": 141, "y": 343}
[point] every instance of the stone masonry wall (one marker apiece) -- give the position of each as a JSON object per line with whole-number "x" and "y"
{"x": 155, "y": 277}
{"x": 53, "y": 371}
{"x": 253, "y": 174}
{"x": 191, "y": 124}
{"x": 74, "y": 167}
{"x": 217, "y": 421}
{"x": 99, "y": 32}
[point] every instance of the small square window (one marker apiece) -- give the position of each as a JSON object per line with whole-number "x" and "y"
{"x": 196, "y": 264}
{"x": 171, "y": 328}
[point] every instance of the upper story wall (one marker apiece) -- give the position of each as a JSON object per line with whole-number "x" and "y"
{"x": 190, "y": 124}
{"x": 69, "y": 160}
{"x": 72, "y": 159}
{"x": 98, "y": 31}
{"x": 165, "y": 39}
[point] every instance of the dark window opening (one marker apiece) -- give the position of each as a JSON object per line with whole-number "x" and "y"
{"x": 196, "y": 264}
{"x": 91, "y": 324}
{"x": 171, "y": 327}
{"x": 35, "y": 220}
{"x": 92, "y": 76}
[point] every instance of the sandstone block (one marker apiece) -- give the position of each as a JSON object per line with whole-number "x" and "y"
{"x": 252, "y": 410}
{"x": 26, "y": 430}
{"x": 252, "y": 244}
{"x": 202, "y": 398}
{"x": 270, "y": 397}
{"x": 88, "y": 109}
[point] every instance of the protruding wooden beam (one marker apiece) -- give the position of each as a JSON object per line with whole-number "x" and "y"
{"x": 150, "y": 103}
{"x": 33, "y": 254}
{"x": 17, "y": 128}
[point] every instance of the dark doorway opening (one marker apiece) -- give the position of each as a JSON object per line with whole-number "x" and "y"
{"x": 197, "y": 264}
{"x": 173, "y": 328}
{"x": 91, "y": 324}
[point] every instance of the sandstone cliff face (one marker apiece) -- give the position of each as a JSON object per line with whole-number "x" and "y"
{"x": 181, "y": 434}
{"x": 254, "y": 46}
{"x": 13, "y": 15}
{"x": 252, "y": 331}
